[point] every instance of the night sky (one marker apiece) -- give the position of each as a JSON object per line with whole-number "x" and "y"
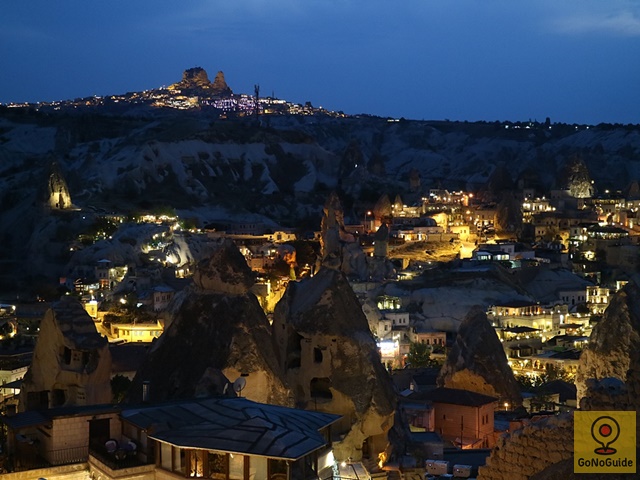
{"x": 575, "y": 61}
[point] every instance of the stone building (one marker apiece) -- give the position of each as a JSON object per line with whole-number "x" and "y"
{"x": 71, "y": 362}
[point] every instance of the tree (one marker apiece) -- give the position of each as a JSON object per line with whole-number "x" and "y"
{"x": 119, "y": 387}
{"x": 555, "y": 372}
{"x": 419, "y": 355}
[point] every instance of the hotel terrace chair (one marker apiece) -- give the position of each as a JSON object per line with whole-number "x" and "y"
{"x": 111, "y": 446}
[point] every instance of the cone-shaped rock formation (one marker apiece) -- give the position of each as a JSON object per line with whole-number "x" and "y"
{"x": 329, "y": 358}
{"x": 477, "y": 361}
{"x": 217, "y": 326}
{"x": 614, "y": 347}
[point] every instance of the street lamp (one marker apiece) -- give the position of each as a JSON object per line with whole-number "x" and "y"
{"x": 366, "y": 215}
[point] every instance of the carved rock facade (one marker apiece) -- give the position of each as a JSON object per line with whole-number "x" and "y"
{"x": 330, "y": 360}
{"x": 71, "y": 361}
{"x": 477, "y": 361}
{"x": 218, "y": 331}
{"x": 614, "y": 346}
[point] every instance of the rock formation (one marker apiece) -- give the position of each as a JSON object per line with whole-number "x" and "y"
{"x": 380, "y": 267}
{"x": 71, "y": 361}
{"x": 340, "y": 250}
{"x": 530, "y": 450}
{"x": 381, "y": 238}
{"x": 197, "y": 79}
{"x": 328, "y": 356}
{"x": 577, "y": 178}
{"x": 382, "y": 209}
{"x": 500, "y": 181}
{"x": 477, "y": 361}
{"x": 226, "y": 272}
{"x": 216, "y": 327}
{"x": 219, "y": 85}
{"x": 352, "y": 158}
{"x": 376, "y": 164}
{"x": 607, "y": 379}
{"x": 613, "y": 352}
{"x": 414, "y": 180}
{"x": 58, "y": 196}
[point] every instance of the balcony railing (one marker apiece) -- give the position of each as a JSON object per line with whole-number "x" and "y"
{"x": 116, "y": 462}
{"x": 32, "y": 459}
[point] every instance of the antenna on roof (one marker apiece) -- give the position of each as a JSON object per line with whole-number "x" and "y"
{"x": 239, "y": 385}
{"x": 256, "y": 90}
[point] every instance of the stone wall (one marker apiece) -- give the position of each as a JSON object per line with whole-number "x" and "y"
{"x": 531, "y": 449}
{"x": 79, "y": 471}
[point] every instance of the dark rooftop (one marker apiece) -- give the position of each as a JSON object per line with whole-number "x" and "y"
{"x": 454, "y": 396}
{"x": 234, "y": 425}
{"x": 566, "y": 390}
{"x": 128, "y": 357}
{"x": 33, "y": 418}
{"x": 521, "y": 329}
{"x": 516, "y": 304}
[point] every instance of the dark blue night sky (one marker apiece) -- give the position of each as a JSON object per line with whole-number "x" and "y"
{"x": 571, "y": 60}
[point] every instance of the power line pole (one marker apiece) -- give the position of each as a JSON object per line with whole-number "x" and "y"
{"x": 256, "y": 89}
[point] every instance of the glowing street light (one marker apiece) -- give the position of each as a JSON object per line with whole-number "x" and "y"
{"x": 364, "y": 223}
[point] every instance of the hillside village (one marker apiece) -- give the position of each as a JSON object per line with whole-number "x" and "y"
{"x": 417, "y": 271}
{"x": 238, "y": 301}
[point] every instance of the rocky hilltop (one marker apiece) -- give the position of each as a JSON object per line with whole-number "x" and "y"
{"x": 217, "y": 333}
{"x": 281, "y": 171}
{"x": 477, "y": 361}
{"x": 197, "y": 79}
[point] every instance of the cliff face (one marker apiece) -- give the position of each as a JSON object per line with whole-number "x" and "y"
{"x": 282, "y": 173}
{"x": 217, "y": 330}
{"x": 71, "y": 361}
{"x": 328, "y": 356}
{"x": 608, "y": 376}
{"x": 477, "y": 361}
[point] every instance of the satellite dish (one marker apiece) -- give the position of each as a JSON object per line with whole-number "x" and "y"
{"x": 239, "y": 385}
